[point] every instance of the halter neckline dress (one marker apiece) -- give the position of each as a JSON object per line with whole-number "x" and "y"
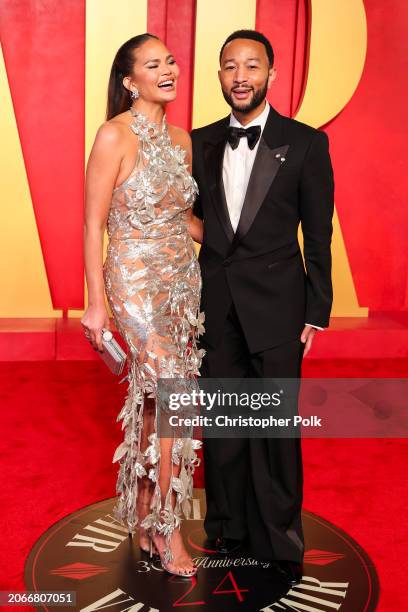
{"x": 153, "y": 284}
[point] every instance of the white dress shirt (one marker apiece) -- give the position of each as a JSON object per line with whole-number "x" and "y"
{"x": 237, "y": 168}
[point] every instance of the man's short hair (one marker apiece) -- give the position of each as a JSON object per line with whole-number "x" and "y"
{"x": 251, "y": 35}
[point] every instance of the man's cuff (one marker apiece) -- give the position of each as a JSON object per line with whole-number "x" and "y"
{"x": 315, "y": 326}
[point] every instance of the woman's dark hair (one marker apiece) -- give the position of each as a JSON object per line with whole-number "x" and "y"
{"x": 251, "y": 35}
{"x": 119, "y": 98}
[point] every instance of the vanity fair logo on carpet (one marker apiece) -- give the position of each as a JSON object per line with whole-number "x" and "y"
{"x": 90, "y": 553}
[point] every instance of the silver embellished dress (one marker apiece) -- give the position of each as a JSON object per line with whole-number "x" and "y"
{"x": 153, "y": 283}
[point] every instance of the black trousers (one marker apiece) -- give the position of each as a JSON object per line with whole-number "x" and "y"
{"x": 254, "y": 487}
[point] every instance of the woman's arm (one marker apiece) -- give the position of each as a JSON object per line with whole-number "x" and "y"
{"x": 102, "y": 171}
{"x": 195, "y": 225}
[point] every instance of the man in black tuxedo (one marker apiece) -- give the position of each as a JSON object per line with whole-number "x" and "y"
{"x": 260, "y": 174}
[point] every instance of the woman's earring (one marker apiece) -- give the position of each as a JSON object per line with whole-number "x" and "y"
{"x": 135, "y": 93}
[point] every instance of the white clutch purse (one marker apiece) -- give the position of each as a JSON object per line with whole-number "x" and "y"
{"x": 113, "y": 354}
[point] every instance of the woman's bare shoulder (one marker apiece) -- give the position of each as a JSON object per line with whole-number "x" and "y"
{"x": 179, "y": 136}
{"x": 115, "y": 129}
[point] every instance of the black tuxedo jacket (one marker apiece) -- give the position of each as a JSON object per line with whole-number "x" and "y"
{"x": 260, "y": 268}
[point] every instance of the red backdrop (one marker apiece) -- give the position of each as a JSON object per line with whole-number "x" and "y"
{"x": 44, "y": 52}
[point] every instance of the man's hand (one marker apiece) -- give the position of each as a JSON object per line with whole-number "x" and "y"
{"x": 307, "y": 336}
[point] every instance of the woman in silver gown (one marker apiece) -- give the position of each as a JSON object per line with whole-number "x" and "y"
{"x": 139, "y": 186}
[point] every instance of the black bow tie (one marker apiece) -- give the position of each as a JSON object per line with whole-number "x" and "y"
{"x": 252, "y": 133}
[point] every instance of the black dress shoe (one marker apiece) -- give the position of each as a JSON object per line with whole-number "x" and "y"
{"x": 227, "y": 545}
{"x": 291, "y": 571}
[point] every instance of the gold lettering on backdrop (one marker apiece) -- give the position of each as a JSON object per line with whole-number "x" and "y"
{"x": 108, "y": 25}
{"x": 338, "y": 40}
{"x": 329, "y": 88}
{"x": 24, "y": 285}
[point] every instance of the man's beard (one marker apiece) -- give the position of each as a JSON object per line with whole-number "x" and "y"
{"x": 257, "y": 99}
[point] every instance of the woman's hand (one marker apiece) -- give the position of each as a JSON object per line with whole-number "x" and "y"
{"x": 95, "y": 318}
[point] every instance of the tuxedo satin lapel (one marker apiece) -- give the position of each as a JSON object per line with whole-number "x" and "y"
{"x": 213, "y": 155}
{"x": 266, "y": 165}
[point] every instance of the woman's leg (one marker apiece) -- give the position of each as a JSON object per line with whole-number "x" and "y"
{"x": 181, "y": 560}
{"x": 145, "y": 486}
{"x": 164, "y": 462}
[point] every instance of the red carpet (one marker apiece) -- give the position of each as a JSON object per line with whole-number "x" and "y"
{"x": 59, "y": 434}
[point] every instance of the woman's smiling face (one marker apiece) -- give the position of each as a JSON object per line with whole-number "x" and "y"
{"x": 155, "y": 73}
